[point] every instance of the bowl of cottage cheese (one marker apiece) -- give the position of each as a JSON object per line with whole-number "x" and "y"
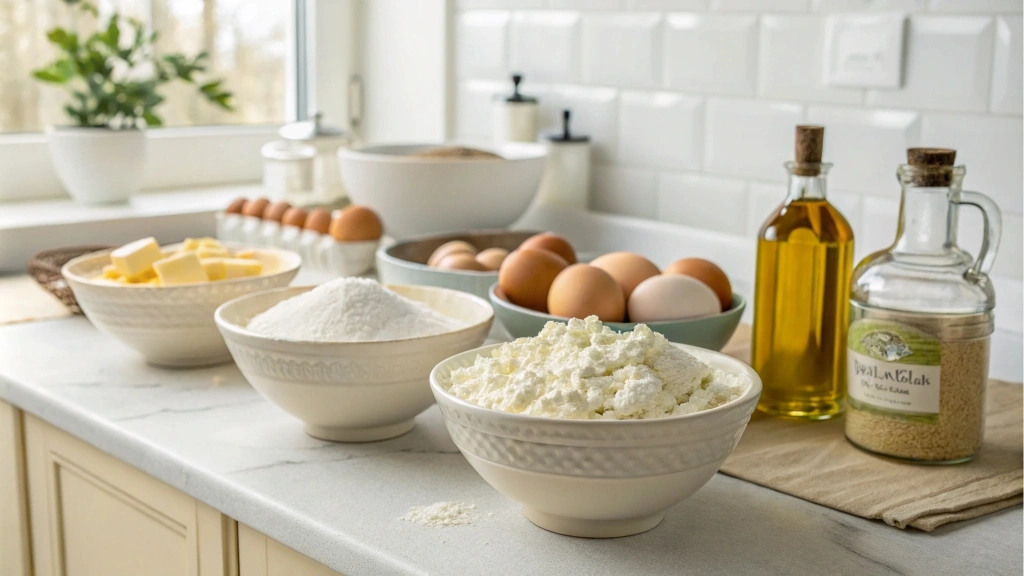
{"x": 597, "y": 433}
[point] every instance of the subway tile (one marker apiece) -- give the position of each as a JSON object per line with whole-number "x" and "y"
{"x": 1008, "y": 257}
{"x": 669, "y": 5}
{"x": 622, "y": 49}
{"x": 975, "y": 6}
{"x": 482, "y": 44}
{"x": 760, "y": 5}
{"x": 878, "y": 225}
{"x": 762, "y": 202}
{"x": 585, "y": 4}
{"x": 991, "y": 147}
{"x": 626, "y": 191}
{"x": 1010, "y": 303}
{"x": 711, "y": 53}
{"x": 869, "y": 5}
{"x": 485, "y": 4}
{"x": 948, "y": 65}
{"x": 594, "y": 113}
{"x": 865, "y": 146}
{"x": 545, "y": 45}
{"x": 702, "y": 202}
{"x": 1007, "y": 92}
{"x": 473, "y": 107}
{"x": 661, "y": 129}
{"x": 750, "y": 138}
{"x": 791, "y": 61}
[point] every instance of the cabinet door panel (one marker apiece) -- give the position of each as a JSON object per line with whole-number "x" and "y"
{"x": 262, "y": 556}
{"x": 14, "y": 538}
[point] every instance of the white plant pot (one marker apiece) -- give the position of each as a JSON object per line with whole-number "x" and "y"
{"x": 98, "y": 165}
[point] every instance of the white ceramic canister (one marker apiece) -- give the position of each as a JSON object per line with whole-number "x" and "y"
{"x": 515, "y": 116}
{"x": 326, "y": 140}
{"x": 288, "y": 172}
{"x": 566, "y": 180}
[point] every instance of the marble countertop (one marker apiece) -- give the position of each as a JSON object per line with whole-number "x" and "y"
{"x": 207, "y": 433}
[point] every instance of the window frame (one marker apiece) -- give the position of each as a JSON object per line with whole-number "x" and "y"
{"x": 216, "y": 154}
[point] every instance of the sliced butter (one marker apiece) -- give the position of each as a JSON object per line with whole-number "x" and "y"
{"x": 180, "y": 268}
{"x": 240, "y": 267}
{"x": 134, "y": 258}
{"x": 214, "y": 268}
{"x": 189, "y": 244}
{"x": 212, "y": 252}
{"x": 246, "y": 254}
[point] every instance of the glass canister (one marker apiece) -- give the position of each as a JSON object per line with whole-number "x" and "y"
{"x": 326, "y": 140}
{"x": 921, "y": 323}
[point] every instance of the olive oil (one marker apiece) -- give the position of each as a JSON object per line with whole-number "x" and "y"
{"x": 801, "y": 299}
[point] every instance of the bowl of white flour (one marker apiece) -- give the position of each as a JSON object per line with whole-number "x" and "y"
{"x": 596, "y": 433}
{"x": 350, "y": 358}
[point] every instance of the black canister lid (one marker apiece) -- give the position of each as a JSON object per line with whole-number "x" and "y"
{"x": 515, "y": 96}
{"x": 564, "y": 136}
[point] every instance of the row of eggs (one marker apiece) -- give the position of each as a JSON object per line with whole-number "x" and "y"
{"x": 543, "y": 275}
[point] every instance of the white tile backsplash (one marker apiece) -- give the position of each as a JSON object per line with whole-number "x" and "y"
{"x": 762, "y": 201}
{"x": 948, "y": 67}
{"x": 865, "y": 146}
{"x": 986, "y": 146}
{"x": 673, "y": 5}
{"x": 594, "y": 113}
{"x": 760, "y": 5}
{"x": 711, "y": 53}
{"x": 1008, "y": 257}
{"x": 974, "y": 6}
{"x": 473, "y": 115}
{"x": 585, "y": 4}
{"x": 545, "y": 45}
{"x": 628, "y": 191}
{"x": 869, "y": 5}
{"x": 1007, "y": 66}
{"x": 791, "y": 63}
{"x": 483, "y": 35}
{"x": 750, "y": 137}
{"x": 878, "y": 225}
{"x": 622, "y": 49}
{"x": 661, "y": 129}
{"x": 702, "y": 202}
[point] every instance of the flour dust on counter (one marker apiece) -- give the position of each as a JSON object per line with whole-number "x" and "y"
{"x": 443, "y": 514}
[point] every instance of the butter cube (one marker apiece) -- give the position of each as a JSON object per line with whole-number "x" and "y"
{"x": 180, "y": 268}
{"x": 209, "y": 243}
{"x": 212, "y": 252}
{"x": 134, "y": 258}
{"x": 110, "y": 273}
{"x": 189, "y": 244}
{"x": 239, "y": 267}
{"x": 214, "y": 268}
{"x": 153, "y": 282}
{"x": 246, "y": 254}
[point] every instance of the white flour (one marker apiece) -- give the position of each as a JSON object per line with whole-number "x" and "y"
{"x": 441, "y": 514}
{"x": 584, "y": 370}
{"x": 351, "y": 310}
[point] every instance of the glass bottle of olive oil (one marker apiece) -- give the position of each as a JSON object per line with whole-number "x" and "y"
{"x": 801, "y": 293}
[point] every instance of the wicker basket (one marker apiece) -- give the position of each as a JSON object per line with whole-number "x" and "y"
{"x": 45, "y": 268}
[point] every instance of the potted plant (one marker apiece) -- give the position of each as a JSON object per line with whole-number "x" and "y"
{"x": 113, "y": 76}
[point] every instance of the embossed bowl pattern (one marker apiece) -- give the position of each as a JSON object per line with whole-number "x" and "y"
{"x": 596, "y": 478}
{"x": 351, "y": 391}
{"x": 170, "y": 325}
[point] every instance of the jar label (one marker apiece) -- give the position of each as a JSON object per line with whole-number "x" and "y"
{"x": 893, "y": 367}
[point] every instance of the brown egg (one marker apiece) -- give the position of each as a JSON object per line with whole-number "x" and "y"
{"x": 628, "y": 269}
{"x": 453, "y": 247}
{"x": 708, "y": 273}
{"x": 460, "y": 261}
{"x": 583, "y": 290}
{"x": 255, "y": 207}
{"x": 294, "y": 216}
{"x": 492, "y": 258}
{"x": 319, "y": 219}
{"x": 356, "y": 224}
{"x": 236, "y": 206}
{"x": 275, "y": 211}
{"x": 526, "y": 275}
{"x": 552, "y": 243}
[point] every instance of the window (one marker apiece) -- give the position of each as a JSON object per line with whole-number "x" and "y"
{"x": 247, "y": 40}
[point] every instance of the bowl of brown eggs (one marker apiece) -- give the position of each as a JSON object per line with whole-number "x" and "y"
{"x": 690, "y": 301}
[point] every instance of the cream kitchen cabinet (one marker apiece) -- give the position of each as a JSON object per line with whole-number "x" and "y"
{"x": 259, "y": 555}
{"x": 92, "y": 515}
{"x": 15, "y": 559}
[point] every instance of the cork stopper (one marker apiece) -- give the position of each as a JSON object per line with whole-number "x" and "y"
{"x": 810, "y": 141}
{"x": 932, "y": 166}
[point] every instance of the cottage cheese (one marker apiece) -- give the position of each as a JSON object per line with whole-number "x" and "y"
{"x": 584, "y": 370}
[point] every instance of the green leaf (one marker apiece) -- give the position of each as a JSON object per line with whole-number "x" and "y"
{"x": 67, "y": 41}
{"x": 152, "y": 119}
{"x": 112, "y": 36}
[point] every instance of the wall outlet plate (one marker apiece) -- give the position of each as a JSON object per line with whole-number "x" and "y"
{"x": 864, "y": 51}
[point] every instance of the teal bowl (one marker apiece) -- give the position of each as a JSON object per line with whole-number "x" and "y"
{"x": 710, "y": 332}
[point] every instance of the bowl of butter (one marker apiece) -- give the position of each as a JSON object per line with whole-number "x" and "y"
{"x": 160, "y": 300}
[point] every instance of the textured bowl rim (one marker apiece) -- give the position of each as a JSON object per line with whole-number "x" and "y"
{"x": 530, "y": 152}
{"x": 383, "y": 253}
{"x": 291, "y": 261}
{"x": 238, "y": 331}
{"x": 751, "y": 394}
{"x": 738, "y": 305}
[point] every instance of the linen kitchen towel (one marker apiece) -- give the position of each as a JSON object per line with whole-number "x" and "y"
{"x": 814, "y": 462}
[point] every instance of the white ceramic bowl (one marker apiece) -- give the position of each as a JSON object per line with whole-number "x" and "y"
{"x": 432, "y": 195}
{"x": 596, "y": 478}
{"x": 350, "y": 391}
{"x": 170, "y": 325}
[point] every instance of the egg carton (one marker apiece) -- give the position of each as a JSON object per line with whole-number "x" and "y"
{"x": 320, "y": 252}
